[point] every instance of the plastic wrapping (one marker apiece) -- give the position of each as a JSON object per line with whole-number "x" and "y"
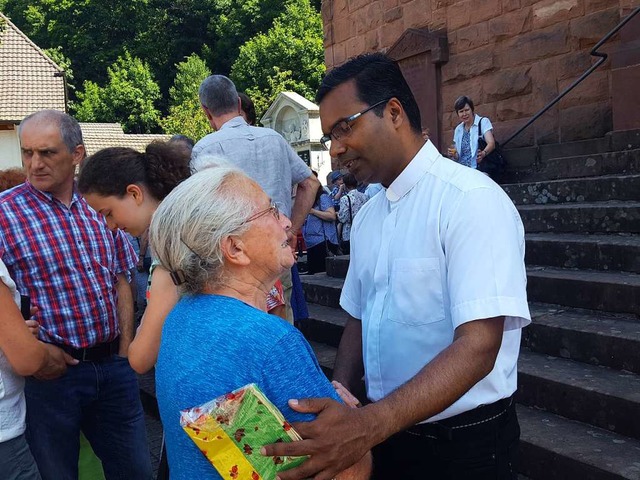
{"x": 231, "y": 429}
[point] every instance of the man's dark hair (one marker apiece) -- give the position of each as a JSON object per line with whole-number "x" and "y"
{"x": 461, "y": 102}
{"x": 248, "y": 108}
{"x": 377, "y": 78}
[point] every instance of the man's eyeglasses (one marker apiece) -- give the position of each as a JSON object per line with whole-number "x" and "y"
{"x": 342, "y": 129}
{"x": 273, "y": 209}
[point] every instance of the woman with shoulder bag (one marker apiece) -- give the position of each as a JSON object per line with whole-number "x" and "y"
{"x": 467, "y": 134}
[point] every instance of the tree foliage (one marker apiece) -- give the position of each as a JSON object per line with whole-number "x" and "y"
{"x": 289, "y": 56}
{"x": 185, "y": 115}
{"x": 128, "y": 97}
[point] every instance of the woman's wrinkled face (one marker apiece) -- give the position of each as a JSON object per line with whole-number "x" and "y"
{"x": 267, "y": 237}
{"x": 465, "y": 114}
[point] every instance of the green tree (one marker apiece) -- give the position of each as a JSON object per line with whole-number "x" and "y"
{"x": 289, "y": 56}
{"x": 128, "y": 97}
{"x": 185, "y": 115}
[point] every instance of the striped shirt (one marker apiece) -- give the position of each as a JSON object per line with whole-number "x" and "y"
{"x": 67, "y": 261}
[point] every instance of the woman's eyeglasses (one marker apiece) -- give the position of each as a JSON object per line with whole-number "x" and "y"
{"x": 273, "y": 209}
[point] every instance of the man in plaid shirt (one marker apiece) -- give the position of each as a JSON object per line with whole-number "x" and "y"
{"x": 61, "y": 253}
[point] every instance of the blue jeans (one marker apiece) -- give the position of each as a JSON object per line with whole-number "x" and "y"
{"x": 101, "y": 398}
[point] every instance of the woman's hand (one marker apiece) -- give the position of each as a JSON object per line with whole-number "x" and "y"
{"x": 33, "y": 327}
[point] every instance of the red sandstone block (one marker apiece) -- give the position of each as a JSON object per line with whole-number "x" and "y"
{"x": 550, "y": 12}
{"x": 593, "y": 89}
{"x": 393, "y": 14}
{"x": 328, "y": 57}
{"x": 588, "y": 30}
{"x": 514, "y": 108}
{"x": 339, "y": 54}
{"x": 438, "y": 19}
{"x": 468, "y": 65}
{"x": 357, "y": 4}
{"x": 460, "y": 16}
{"x": 389, "y": 4}
{"x": 503, "y": 130}
{"x": 595, "y": 5}
{"x": 327, "y": 39}
{"x": 417, "y": 14}
{"x": 390, "y": 32}
{"x": 472, "y": 88}
{"x": 340, "y": 7}
{"x": 510, "y": 5}
{"x": 505, "y": 84}
{"x": 369, "y": 18}
{"x": 595, "y": 121}
{"x": 510, "y": 24}
{"x": 534, "y": 45}
{"x": 342, "y": 28}
{"x": 473, "y": 36}
{"x": 573, "y": 64}
{"x": 355, "y": 46}
{"x": 371, "y": 41}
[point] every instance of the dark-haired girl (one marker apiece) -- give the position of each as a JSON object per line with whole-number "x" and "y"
{"x": 127, "y": 186}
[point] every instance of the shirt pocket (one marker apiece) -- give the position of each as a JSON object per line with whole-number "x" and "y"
{"x": 416, "y": 296}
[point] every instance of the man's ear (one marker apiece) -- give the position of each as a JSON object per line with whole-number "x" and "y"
{"x": 78, "y": 154}
{"x": 136, "y": 193}
{"x": 233, "y": 251}
{"x": 396, "y": 112}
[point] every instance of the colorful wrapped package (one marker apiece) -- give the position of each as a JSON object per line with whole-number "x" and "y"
{"x": 230, "y": 430}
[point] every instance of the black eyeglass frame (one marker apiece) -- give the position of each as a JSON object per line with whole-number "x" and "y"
{"x": 325, "y": 139}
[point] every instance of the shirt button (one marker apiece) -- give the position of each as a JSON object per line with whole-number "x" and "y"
{"x": 89, "y": 269}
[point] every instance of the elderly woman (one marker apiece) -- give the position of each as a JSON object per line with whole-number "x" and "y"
{"x": 465, "y": 136}
{"x": 225, "y": 244}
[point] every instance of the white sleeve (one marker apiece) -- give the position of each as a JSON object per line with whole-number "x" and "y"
{"x": 484, "y": 245}
{"x": 350, "y": 298}
{"x": 486, "y": 125}
{"x": 8, "y": 281}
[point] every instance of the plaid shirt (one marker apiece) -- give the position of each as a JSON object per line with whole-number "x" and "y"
{"x": 67, "y": 260}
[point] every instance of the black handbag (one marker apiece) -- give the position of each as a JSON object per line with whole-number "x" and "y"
{"x": 494, "y": 163}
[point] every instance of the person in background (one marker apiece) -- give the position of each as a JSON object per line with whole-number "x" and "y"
{"x": 21, "y": 355}
{"x": 261, "y": 153}
{"x": 465, "y": 136}
{"x": 248, "y": 110}
{"x": 350, "y": 204}
{"x": 436, "y": 297}
{"x": 11, "y": 177}
{"x": 126, "y": 186}
{"x": 320, "y": 233}
{"x": 61, "y": 253}
{"x": 226, "y": 243}
{"x": 337, "y": 189}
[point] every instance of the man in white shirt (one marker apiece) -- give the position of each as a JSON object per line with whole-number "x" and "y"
{"x": 436, "y": 293}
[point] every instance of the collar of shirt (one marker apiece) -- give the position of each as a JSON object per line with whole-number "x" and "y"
{"x": 234, "y": 122}
{"x": 413, "y": 172}
{"x": 46, "y": 196}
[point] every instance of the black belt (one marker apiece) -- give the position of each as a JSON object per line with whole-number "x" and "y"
{"x": 95, "y": 353}
{"x": 445, "y": 429}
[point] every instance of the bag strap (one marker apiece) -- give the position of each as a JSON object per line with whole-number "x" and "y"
{"x": 350, "y": 210}
{"x": 480, "y": 134}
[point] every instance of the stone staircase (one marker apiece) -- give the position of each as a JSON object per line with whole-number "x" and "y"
{"x": 579, "y": 368}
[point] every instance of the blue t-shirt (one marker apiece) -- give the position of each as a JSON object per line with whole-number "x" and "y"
{"x": 212, "y": 345}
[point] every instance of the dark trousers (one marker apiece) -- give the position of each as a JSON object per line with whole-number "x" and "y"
{"x": 101, "y": 398}
{"x": 317, "y": 255}
{"x": 486, "y": 451}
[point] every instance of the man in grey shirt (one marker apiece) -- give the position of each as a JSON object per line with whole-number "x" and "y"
{"x": 262, "y": 153}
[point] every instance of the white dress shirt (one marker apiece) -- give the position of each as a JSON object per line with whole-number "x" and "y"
{"x": 443, "y": 246}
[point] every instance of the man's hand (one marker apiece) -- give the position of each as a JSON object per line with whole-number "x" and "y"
{"x": 337, "y": 439}
{"x": 57, "y": 361}
{"x": 33, "y": 327}
{"x": 123, "y": 348}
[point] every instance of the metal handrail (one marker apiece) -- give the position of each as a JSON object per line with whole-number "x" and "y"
{"x": 594, "y": 53}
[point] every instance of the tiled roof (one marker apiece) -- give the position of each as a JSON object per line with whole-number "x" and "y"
{"x": 97, "y": 136}
{"x": 29, "y": 80}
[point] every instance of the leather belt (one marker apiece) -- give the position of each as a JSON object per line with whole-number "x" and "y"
{"x": 445, "y": 429}
{"x": 95, "y": 353}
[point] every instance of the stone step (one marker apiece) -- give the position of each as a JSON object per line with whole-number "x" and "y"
{"x": 555, "y": 448}
{"x": 573, "y": 163}
{"x": 608, "y": 252}
{"x": 600, "y": 396}
{"x": 606, "y": 291}
{"x": 596, "y": 217}
{"x": 590, "y": 189}
{"x": 322, "y": 289}
{"x": 612, "y": 252}
{"x": 597, "y": 338}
